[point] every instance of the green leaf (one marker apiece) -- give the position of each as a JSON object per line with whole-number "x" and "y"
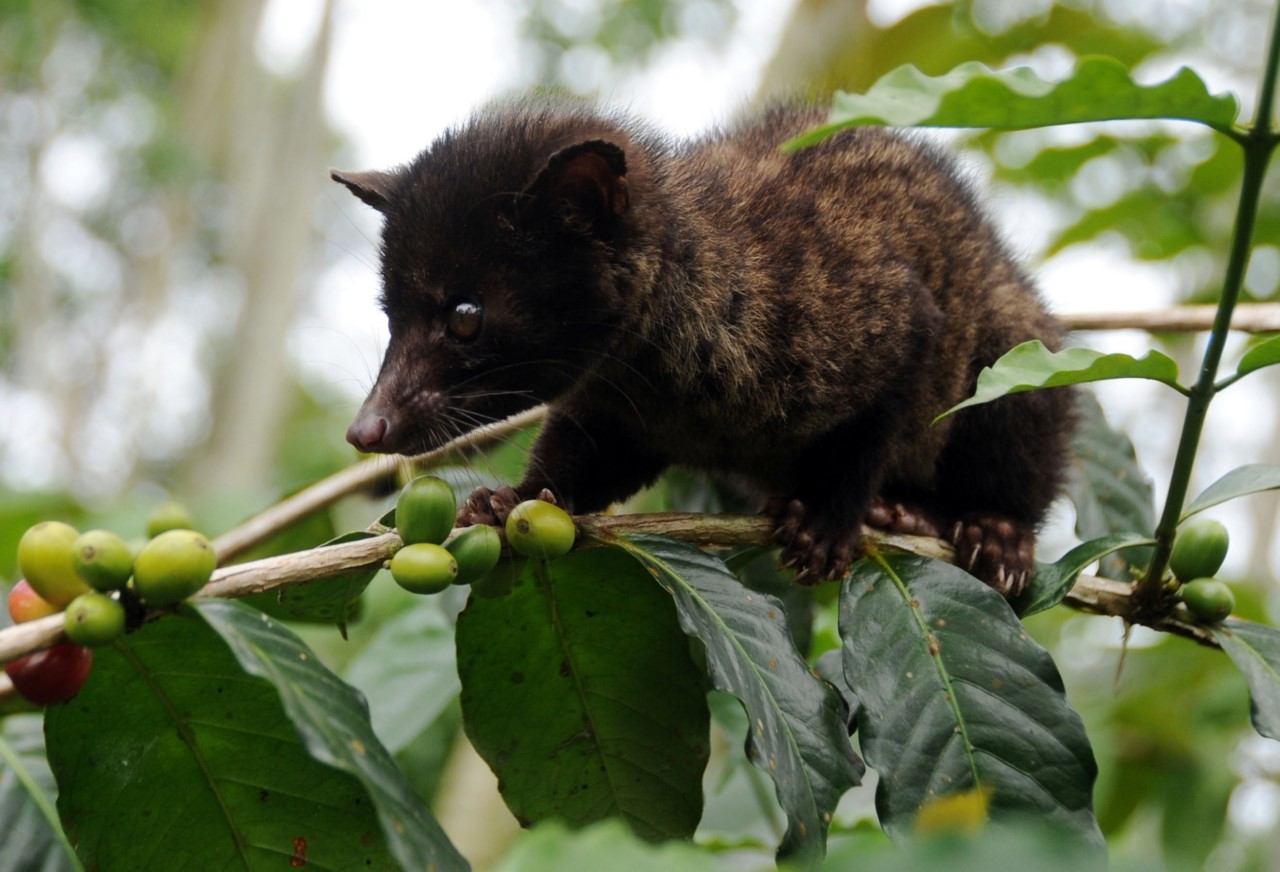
{"x": 973, "y": 95}
{"x": 799, "y": 734}
{"x": 1263, "y": 354}
{"x": 551, "y": 847}
{"x": 1053, "y": 581}
{"x": 333, "y": 722}
{"x": 1158, "y": 225}
{"x": 172, "y": 757}
{"x": 327, "y": 601}
{"x": 1249, "y": 479}
{"x": 1110, "y": 491}
{"x": 1031, "y": 366}
{"x": 579, "y": 692}
{"x": 408, "y": 673}
{"x": 1255, "y": 650}
{"x": 954, "y": 696}
{"x": 33, "y": 837}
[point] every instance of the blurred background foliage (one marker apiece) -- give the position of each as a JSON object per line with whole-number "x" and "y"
{"x": 165, "y": 217}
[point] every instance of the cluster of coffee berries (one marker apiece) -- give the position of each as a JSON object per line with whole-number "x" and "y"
{"x": 432, "y": 558}
{"x": 1198, "y": 551}
{"x": 94, "y": 579}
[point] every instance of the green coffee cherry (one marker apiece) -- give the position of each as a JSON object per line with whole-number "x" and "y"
{"x": 1198, "y": 549}
{"x": 94, "y": 620}
{"x": 477, "y": 550}
{"x": 102, "y": 559}
{"x": 539, "y": 529}
{"x": 173, "y": 566}
{"x": 423, "y": 567}
{"x": 169, "y": 516}
{"x": 426, "y": 510}
{"x": 1208, "y": 599}
{"x": 44, "y": 556}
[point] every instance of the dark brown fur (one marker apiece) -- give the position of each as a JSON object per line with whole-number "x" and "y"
{"x": 794, "y": 320}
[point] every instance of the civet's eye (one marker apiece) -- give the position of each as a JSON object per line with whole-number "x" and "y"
{"x": 465, "y": 320}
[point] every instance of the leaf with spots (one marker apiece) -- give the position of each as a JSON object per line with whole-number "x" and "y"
{"x": 799, "y": 732}
{"x": 954, "y": 696}
{"x": 172, "y": 757}
{"x": 579, "y": 691}
{"x": 332, "y": 719}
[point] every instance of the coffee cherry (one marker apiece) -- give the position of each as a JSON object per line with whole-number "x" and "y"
{"x": 536, "y": 528}
{"x": 1208, "y": 599}
{"x": 426, "y": 510}
{"x": 94, "y": 620}
{"x": 423, "y": 568}
{"x": 51, "y": 676}
{"x": 173, "y": 566}
{"x": 44, "y": 556}
{"x": 477, "y": 550}
{"x": 26, "y": 605}
{"x": 1198, "y": 549}
{"x": 102, "y": 559}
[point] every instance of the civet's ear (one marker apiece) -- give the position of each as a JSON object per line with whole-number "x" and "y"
{"x": 375, "y": 187}
{"x": 586, "y": 182}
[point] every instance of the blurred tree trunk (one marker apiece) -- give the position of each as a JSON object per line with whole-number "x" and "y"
{"x": 266, "y": 136}
{"x": 821, "y": 40}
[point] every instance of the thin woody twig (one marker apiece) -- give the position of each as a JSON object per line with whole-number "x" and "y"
{"x": 1248, "y": 318}
{"x": 1096, "y": 595}
{"x": 347, "y": 481}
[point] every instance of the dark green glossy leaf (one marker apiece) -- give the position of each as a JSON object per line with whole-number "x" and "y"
{"x": 954, "y": 695}
{"x": 1053, "y": 581}
{"x": 973, "y": 95}
{"x": 1110, "y": 491}
{"x": 326, "y": 601}
{"x": 1263, "y": 354}
{"x": 799, "y": 734}
{"x": 1249, "y": 479}
{"x": 1255, "y": 650}
{"x": 1031, "y": 366}
{"x": 408, "y": 673}
{"x": 172, "y": 757}
{"x": 579, "y": 692}
{"x": 333, "y": 721}
{"x": 32, "y": 836}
